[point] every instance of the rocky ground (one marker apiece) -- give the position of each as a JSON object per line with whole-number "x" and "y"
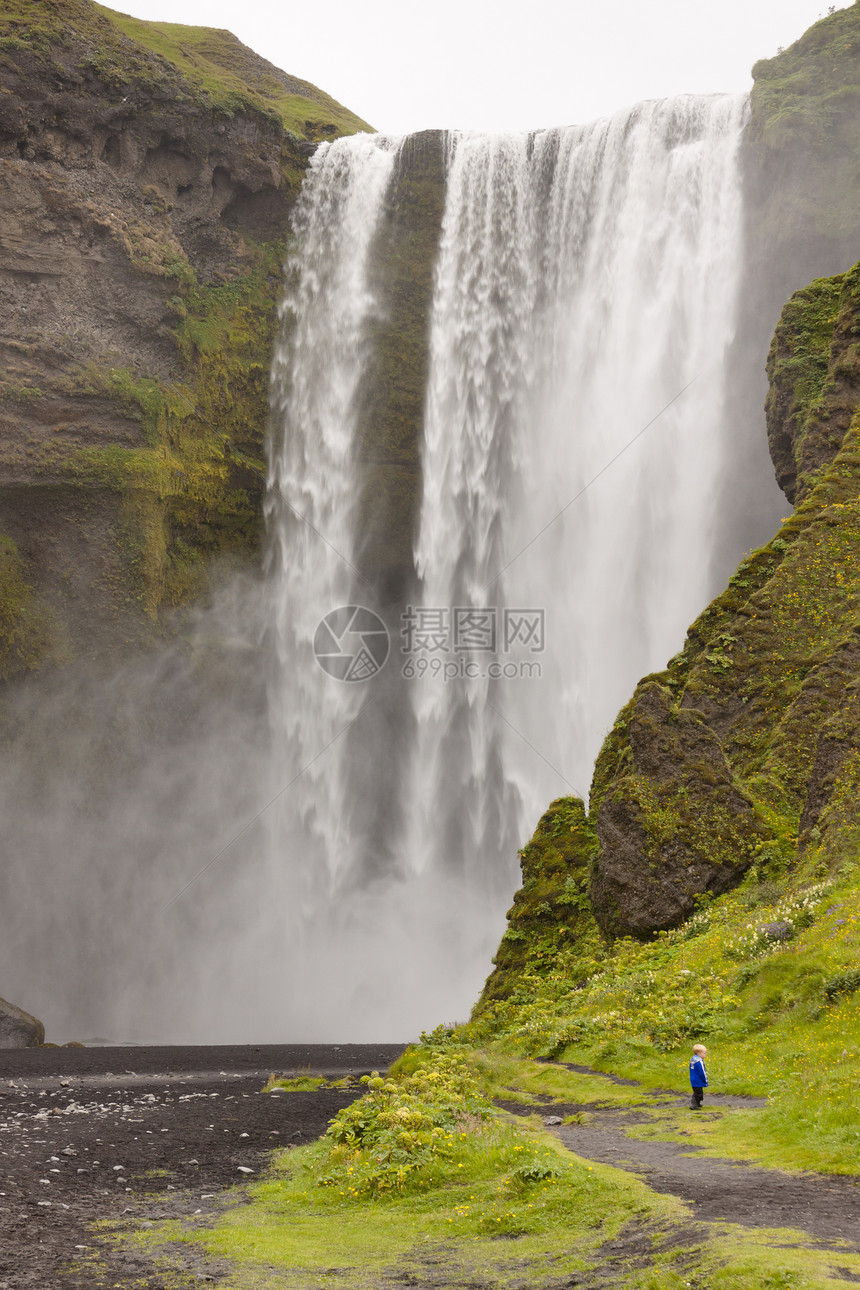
{"x": 140, "y": 1135}
{"x": 101, "y": 1133}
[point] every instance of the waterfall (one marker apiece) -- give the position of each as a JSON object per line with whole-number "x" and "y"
{"x": 584, "y": 300}
{"x": 326, "y": 315}
{"x": 586, "y": 289}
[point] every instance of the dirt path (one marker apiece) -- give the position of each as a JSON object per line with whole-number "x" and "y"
{"x": 825, "y": 1206}
{"x": 102, "y": 1133}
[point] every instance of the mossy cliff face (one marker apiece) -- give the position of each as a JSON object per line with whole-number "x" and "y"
{"x": 769, "y": 674}
{"x": 147, "y": 176}
{"x": 813, "y": 373}
{"x": 802, "y": 150}
{"x": 744, "y": 755}
{"x": 551, "y": 914}
{"x": 802, "y": 146}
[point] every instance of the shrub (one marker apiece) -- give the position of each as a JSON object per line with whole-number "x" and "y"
{"x": 385, "y": 1141}
{"x": 842, "y": 983}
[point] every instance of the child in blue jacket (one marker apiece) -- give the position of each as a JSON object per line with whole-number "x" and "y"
{"x": 698, "y": 1076}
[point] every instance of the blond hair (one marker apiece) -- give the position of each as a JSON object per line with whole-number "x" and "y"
{"x": 700, "y": 1050}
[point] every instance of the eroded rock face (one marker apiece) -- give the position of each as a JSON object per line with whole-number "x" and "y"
{"x": 674, "y": 826}
{"x": 18, "y": 1029}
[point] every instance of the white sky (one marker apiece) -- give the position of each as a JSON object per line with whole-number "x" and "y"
{"x": 502, "y": 66}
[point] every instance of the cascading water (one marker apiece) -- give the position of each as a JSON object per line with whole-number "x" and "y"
{"x": 586, "y": 285}
{"x": 326, "y": 316}
{"x": 584, "y": 299}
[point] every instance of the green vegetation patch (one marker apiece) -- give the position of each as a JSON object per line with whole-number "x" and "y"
{"x": 802, "y": 96}
{"x": 800, "y": 351}
{"x": 765, "y": 975}
{"x": 25, "y": 635}
{"x": 422, "y": 1179}
{"x": 195, "y": 64}
{"x": 192, "y": 492}
{"x": 19, "y": 392}
{"x": 551, "y": 910}
{"x": 296, "y": 1083}
{"x": 234, "y": 79}
{"x": 423, "y": 1168}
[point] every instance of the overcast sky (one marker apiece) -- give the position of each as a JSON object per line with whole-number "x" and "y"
{"x": 504, "y": 65}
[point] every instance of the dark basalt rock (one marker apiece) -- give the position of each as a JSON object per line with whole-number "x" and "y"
{"x": 674, "y": 827}
{"x": 18, "y": 1029}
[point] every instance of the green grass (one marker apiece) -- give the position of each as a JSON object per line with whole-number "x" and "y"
{"x": 422, "y": 1163}
{"x": 505, "y": 1076}
{"x": 295, "y": 1084}
{"x": 311, "y": 1223}
{"x": 25, "y": 627}
{"x": 781, "y": 1019}
{"x": 297, "y": 1233}
{"x": 235, "y": 79}
{"x": 200, "y": 64}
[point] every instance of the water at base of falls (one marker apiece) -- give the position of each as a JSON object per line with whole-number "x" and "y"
{"x": 584, "y": 299}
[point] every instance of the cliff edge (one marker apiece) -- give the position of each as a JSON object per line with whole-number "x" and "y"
{"x": 147, "y": 172}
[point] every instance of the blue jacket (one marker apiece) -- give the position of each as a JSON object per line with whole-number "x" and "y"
{"x": 698, "y": 1074}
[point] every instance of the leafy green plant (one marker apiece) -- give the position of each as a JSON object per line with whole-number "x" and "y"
{"x": 843, "y": 983}
{"x": 393, "y": 1135}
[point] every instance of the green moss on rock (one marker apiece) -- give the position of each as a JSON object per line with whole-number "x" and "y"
{"x": 802, "y": 137}
{"x": 24, "y": 630}
{"x": 808, "y": 93}
{"x": 812, "y": 368}
{"x": 196, "y": 64}
{"x": 769, "y": 670}
{"x": 173, "y": 154}
{"x": 551, "y": 916}
{"x": 193, "y": 493}
{"x": 674, "y": 825}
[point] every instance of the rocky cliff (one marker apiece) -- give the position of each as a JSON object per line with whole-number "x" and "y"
{"x": 18, "y": 1029}
{"x": 147, "y": 175}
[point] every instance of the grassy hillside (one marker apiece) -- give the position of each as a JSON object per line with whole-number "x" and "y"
{"x": 234, "y": 78}
{"x": 214, "y": 68}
